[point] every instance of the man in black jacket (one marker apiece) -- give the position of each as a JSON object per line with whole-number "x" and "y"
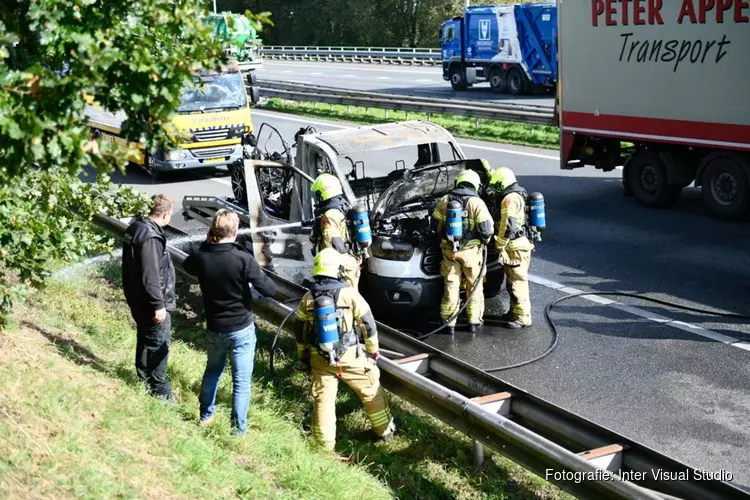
{"x": 148, "y": 281}
{"x": 226, "y": 271}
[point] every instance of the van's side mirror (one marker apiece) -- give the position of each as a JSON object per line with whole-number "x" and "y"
{"x": 252, "y": 78}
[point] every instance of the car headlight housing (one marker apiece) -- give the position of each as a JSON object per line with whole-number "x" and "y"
{"x": 177, "y": 154}
{"x": 387, "y": 248}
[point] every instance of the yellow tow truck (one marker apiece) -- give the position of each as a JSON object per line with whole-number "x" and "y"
{"x": 212, "y": 125}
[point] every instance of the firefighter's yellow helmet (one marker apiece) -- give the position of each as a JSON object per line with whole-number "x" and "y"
{"x": 325, "y": 187}
{"x": 502, "y": 177}
{"x": 328, "y": 262}
{"x": 470, "y": 177}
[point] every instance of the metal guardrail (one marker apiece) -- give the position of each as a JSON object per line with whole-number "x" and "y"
{"x": 392, "y": 55}
{"x": 525, "y": 113}
{"x": 530, "y": 431}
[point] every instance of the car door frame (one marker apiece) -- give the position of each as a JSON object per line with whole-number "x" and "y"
{"x": 267, "y": 230}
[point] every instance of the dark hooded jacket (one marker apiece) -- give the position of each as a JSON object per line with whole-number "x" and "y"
{"x": 148, "y": 278}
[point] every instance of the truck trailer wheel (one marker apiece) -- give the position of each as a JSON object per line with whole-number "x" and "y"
{"x": 458, "y": 82}
{"x": 646, "y": 176}
{"x": 497, "y": 80}
{"x": 725, "y": 187}
{"x": 516, "y": 81}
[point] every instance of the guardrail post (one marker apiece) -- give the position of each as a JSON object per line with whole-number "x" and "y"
{"x": 478, "y": 453}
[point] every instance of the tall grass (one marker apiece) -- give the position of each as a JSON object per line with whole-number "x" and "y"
{"x": 76, "y": 422}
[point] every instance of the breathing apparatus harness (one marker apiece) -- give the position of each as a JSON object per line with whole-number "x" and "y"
{"x": 357, "y": 223}
{"x": 331, "y": 341}
{"x": 535, "y": 220}
{"x": 456, "y": 218}
{"x": 534, "y": 224}
{"x": 456, "y": 230}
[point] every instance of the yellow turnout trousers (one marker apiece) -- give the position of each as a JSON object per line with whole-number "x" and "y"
{"x": 362, "y": 375}
{"x": 516, "y": 264}
{"x": 463, "y": 265}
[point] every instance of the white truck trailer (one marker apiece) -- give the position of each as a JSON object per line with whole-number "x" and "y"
{"x": 661, "y": 87}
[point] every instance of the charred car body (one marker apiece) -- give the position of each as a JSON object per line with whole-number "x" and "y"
{"x": 398, "y": 171}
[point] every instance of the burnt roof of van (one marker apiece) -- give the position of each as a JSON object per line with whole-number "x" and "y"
{"x": 385, "y": 136}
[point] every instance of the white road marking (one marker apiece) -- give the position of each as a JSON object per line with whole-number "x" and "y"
{"x": 316, "y": 74}
{"x": 511, "y": 151}
{"x": 287, "y": 71}
{"x": 424, "y": 80}
{"x": 221, "y": 180}
{"x": 642, "y": 313}
{"x": 384, "y": 78}
{"x": 636, "y": 311}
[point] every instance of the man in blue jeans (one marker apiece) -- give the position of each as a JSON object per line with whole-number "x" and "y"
{"x": 226, "y": 271}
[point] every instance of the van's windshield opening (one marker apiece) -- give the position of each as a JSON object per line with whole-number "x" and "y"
{"x": 214, "y": 92}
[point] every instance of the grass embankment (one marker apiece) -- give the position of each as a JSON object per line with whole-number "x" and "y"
{"x": 75, "y": 421}
{"x": 542, "y": 136}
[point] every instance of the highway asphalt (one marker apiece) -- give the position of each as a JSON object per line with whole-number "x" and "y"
{"x": 422, "y": 81}
{"x": 666, "y": 385}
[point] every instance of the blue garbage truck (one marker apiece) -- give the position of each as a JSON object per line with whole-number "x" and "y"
{"x": 513, "y": 47}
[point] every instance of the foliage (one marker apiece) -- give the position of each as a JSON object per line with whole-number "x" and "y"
{"x": 374, "y": 23}
{"x": 129, "y": 56}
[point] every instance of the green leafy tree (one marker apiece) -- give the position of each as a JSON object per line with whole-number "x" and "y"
{"x": 129, "y": 56}
{"x": 374, "y": 23}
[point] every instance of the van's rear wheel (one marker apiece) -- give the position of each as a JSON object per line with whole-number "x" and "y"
{"x": 725, "y": 187}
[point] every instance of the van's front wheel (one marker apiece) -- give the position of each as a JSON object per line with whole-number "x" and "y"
{"x": 237, "y": 174}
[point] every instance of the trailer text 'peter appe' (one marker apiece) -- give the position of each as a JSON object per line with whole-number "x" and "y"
{"x": 671, "y": 51}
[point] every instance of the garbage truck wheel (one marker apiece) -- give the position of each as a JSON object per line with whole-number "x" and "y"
{"x": 516, "y": 81}
{"x": 497, "y": 80}
{"x": 458, "y": 82}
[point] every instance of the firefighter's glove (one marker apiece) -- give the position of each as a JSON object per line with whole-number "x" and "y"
{"x": 500, "y": 260}
{"x": 302, "y": 365}
{"x": 375, "y": 356}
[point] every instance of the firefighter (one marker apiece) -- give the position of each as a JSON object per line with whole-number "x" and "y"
{"x": 342, "y": 356}
{"x": 331, "y": 229}
{"x": 462, "y": 259}
{"x": 513, "y": 244}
